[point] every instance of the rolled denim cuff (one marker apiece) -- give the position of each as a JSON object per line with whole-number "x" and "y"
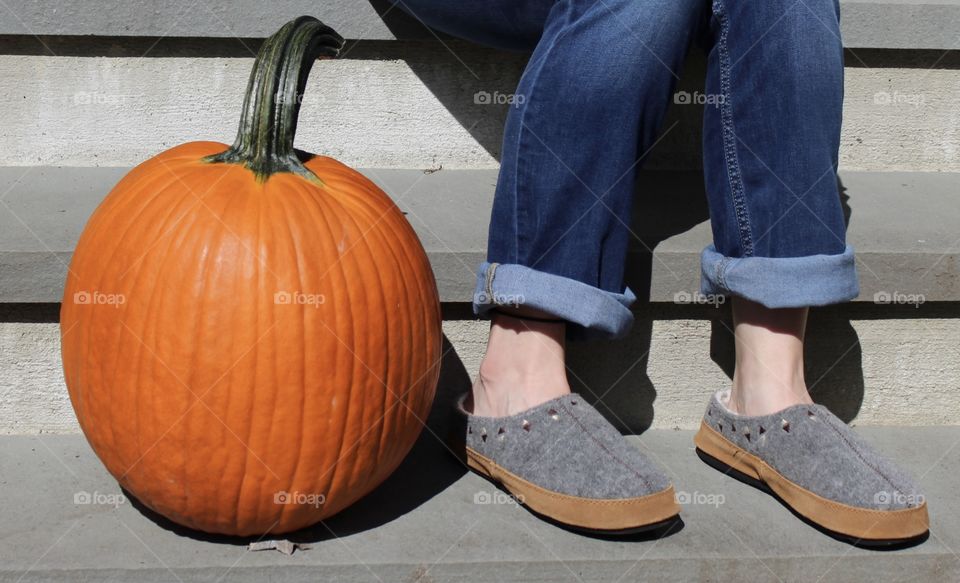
{"x": 781, "y": 282}
{"x": 591, "y": 313}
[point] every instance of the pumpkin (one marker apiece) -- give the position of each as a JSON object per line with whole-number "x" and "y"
{"x": 251, "y": 334}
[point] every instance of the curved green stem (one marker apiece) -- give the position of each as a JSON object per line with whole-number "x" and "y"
{"x": 268, "y": 124}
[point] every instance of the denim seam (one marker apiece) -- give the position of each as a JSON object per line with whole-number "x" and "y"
{"x": 491, "y": 271}
{"x": 520, "y": 166}
{"x": 722, "y": 272}
{"x": 592, "y": 312}
{"x": 734, "y": 175}
{"x": 568, "y": 19}
{"x": 516, "y": 187}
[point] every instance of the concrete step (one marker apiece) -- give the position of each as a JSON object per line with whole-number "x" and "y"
{"x": 431, "y": 521}
{"x": 911, "y": 24}
{"x": 82, "y": 105}
{"x": 904, "y": 226}
{"x": 871, "y": 364}
{"x": 106, "y": 105}
{"x": 867, "y": 359}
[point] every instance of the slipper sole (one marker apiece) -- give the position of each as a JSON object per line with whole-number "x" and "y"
{"x": 852, "y": 521}
{"x": 619, "y": 515}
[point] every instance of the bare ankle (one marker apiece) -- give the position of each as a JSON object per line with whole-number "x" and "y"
{"x": 767, "y": 393}
{"x": 499, "y": 392}
{"x": 769, "y": 367}
{"x": 523, "y": 367}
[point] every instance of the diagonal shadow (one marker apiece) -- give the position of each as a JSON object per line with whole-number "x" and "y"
{"x": 833, "y": 357}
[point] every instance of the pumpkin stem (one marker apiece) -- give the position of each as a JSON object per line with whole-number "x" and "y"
{"x": 268, "y": 124}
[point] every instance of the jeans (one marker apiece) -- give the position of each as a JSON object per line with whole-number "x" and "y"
{"x": 589, "y": 105}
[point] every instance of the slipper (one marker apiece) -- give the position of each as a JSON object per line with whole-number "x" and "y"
{"x": 819, "y": 467}
{"x": 564, "y": 461}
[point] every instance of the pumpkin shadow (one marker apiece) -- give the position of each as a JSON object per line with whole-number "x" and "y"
{"x": 427, "y": 470}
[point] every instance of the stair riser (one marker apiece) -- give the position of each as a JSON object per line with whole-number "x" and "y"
{"x": 94, "y": 111}
{"x": 886, "y": 23}
{"x": 878, "y": 365}
{"x": 902, "y": 249}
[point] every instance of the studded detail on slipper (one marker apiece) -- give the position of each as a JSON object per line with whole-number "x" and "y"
{"x": 817, "y": 465}
{"x": 563, "y": 460}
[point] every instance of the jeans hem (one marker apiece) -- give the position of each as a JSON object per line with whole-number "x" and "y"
{"x": 591, "y": 313}
{"x": 781, "y": 282}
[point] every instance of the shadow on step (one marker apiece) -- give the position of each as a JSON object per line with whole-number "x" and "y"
{"x": 428, "y": 470}
{"x": 613, "y": 376}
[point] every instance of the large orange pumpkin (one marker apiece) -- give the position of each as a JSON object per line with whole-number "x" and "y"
{"x": 251, "y": 335}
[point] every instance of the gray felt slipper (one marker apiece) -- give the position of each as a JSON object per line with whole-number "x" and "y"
{"x": 819, "y": 467}
{"x": 564, "y": 461}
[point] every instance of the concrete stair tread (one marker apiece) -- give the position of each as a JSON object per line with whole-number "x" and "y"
{"x": 904, "y": 227}
{"x": 915, "y": 24}
{"x": 424, "y": 524}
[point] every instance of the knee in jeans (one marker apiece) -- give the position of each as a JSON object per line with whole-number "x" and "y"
{"x": 639, "y": 37}
{"x": 806, "y": 17}
{"x": 805, "y": 35}
{"x": 820, "y": 8}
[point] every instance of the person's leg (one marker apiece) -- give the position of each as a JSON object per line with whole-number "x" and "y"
{"x": 770, "y": 157}
{"x": 590, "y": 102}
{"x": 505, "y": 24}
{"x": 770, "y": 165}
{"x": 591, "y": 99}
{"x": 524, "y": 364}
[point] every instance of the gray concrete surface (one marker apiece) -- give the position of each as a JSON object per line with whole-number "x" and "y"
{"x": 413, "y": 105}
{"x": 871, "y": 364}
{"x": 866, "y": 23}
{"x": 900, "y": 24}
{"x": 429, "y": 522}
{"x": 904, "y": 226}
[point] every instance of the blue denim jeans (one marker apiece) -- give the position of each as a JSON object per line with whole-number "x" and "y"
{"x": 589, "y": 105}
